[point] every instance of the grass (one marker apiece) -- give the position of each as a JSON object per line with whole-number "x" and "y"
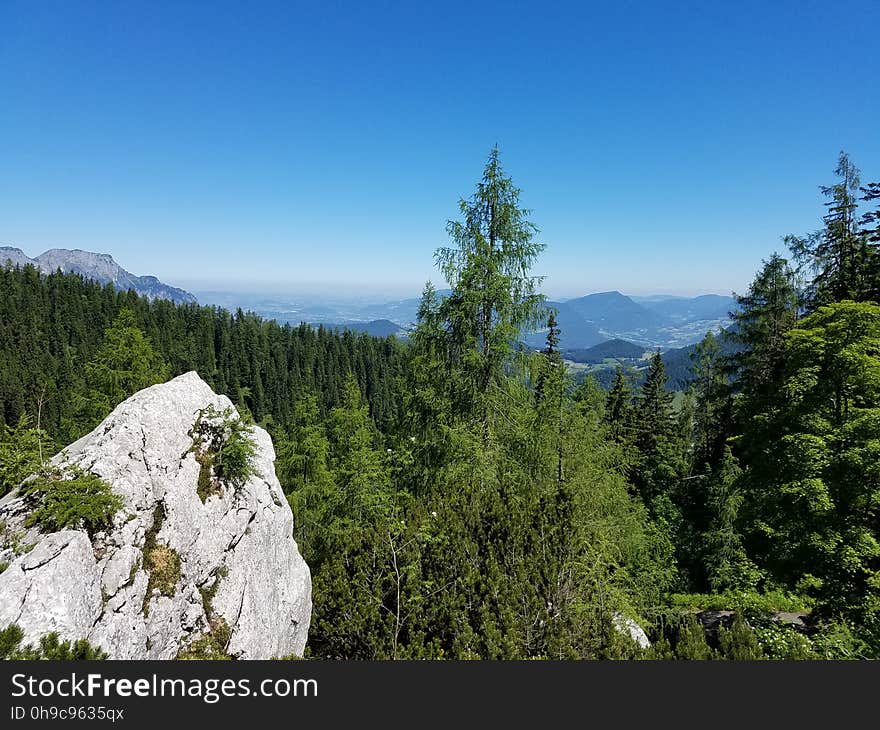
{"x": 161, "y": 561}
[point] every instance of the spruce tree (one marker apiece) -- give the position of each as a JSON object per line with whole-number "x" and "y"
{"x": 838, "y": 255}
{"x": 618, "y": 408}
{"x": 870, "y": 225}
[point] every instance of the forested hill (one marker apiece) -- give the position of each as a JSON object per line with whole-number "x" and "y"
{"x": 52, "y": 326}
{"x": 480, "y": 504}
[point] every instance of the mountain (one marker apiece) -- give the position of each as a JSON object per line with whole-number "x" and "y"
{"x": 97, "y": 266}
{"x": 614, "y": 312}
{"x": 616, "y": 349}
{"x": 376, "y": 328}
{"x": 682, "y": 310}
{"x": 575, "y": 331}
{"x": 13, "y": 257}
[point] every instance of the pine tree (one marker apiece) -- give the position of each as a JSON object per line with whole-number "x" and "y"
{"x": 712, "y": 402}
{"x": 125, "y": 364}
{"x": 655, "y": 417}
{"x": 23, "y": 450}
{"x": 618, "y": 408}
{"x": 838, "y": 255}
{"x": 763, "y": 317}
{"x": 870, "y": 225}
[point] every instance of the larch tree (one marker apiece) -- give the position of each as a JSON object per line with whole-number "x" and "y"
{"x": 494, "y": 297}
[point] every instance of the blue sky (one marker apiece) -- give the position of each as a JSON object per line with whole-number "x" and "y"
{"x": 663, "y": 147}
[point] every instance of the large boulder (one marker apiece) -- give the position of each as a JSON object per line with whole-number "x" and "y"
{"x": 242, "y": 585}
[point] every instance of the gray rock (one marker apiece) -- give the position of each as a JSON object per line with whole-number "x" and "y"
{"x": 628, "y": 627}
{"x": 96, "y": 588}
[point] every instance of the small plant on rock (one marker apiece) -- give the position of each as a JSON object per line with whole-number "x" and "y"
{"x": 161, "y": 561}
{"x": 50, "y": 647}
{"x": 224, "y": 449}
{"x": 71, "y": 498}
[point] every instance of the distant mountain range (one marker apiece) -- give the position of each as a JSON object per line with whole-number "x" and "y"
{"x": 631, "y": 322}
{"x": 646, "y": 322}
{"x": 97, "y": 266}
{"x": 650, "y": 322}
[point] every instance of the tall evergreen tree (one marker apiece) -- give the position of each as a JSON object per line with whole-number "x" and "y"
{"x": 494, "y": 296}
{"x": 619, "y": 408}
{"x": 126, "y": 363}
{"x": 763, "y": 317}
{"x": 838, "y": 255}
{"x": 870, "y": 225}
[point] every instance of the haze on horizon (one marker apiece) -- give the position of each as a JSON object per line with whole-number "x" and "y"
{"x": 297, "y": 150}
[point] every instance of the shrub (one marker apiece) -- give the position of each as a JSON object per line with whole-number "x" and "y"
{"x": 71, "y": 498}
{"x": 224, "y": 449}
{"x": 50, "y": 647}
{"x": 691, "y": 642}
{"x": 739, "y": 641}
{"x": 211, "y": 646}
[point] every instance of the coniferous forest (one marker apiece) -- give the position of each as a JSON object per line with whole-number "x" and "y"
{"x": 457, "y": 495}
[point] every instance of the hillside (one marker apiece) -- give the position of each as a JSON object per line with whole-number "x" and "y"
{"x": 611, "y": 349}
{"x": 99, "y": 267}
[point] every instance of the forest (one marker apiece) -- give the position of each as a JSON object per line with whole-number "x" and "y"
{"x": 459, "y": 496}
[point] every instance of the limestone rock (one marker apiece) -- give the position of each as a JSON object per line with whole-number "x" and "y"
{"x": 239, "y": 564}
{"x": 627, "y": 627}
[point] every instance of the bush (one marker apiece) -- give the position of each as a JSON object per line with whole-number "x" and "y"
{"x": 71, "y": 498}
{"x": 224, "y": 448}
{"x": 748, "y": 602}
{"x": 739, "y": 641}
{"x": 692, "y": 642}
{"x": 50, "y": 647}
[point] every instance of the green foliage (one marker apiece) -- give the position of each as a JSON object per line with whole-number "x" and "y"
{"x": 10, "y": 639}
{"x": 125, "y": 364}
{"x": 53, "y": 325}
{"x": 211, "y": 646}
{"x": 22, "y": 449}
{"x": 749, "y": 603}
{"x": 224, "y": 448}
{"x": 71, "y": 498}
{"x": 839, "y": 256}
{"x": 50, "y": 647}
{"x": 161, "y": 561}
{"x": 739, "y": 642}
{"x": 493, "y": 296}
{"x": 813, "y": 490}
{"x": 691, "y": 643}
{"x": 456, "y": 496}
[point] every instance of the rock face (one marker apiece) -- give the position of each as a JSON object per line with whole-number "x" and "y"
{"x": 97, "y": 266}
{"x": 240, "y": 569}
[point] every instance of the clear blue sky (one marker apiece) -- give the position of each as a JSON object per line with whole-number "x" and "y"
{"x": 663, "y": 147}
